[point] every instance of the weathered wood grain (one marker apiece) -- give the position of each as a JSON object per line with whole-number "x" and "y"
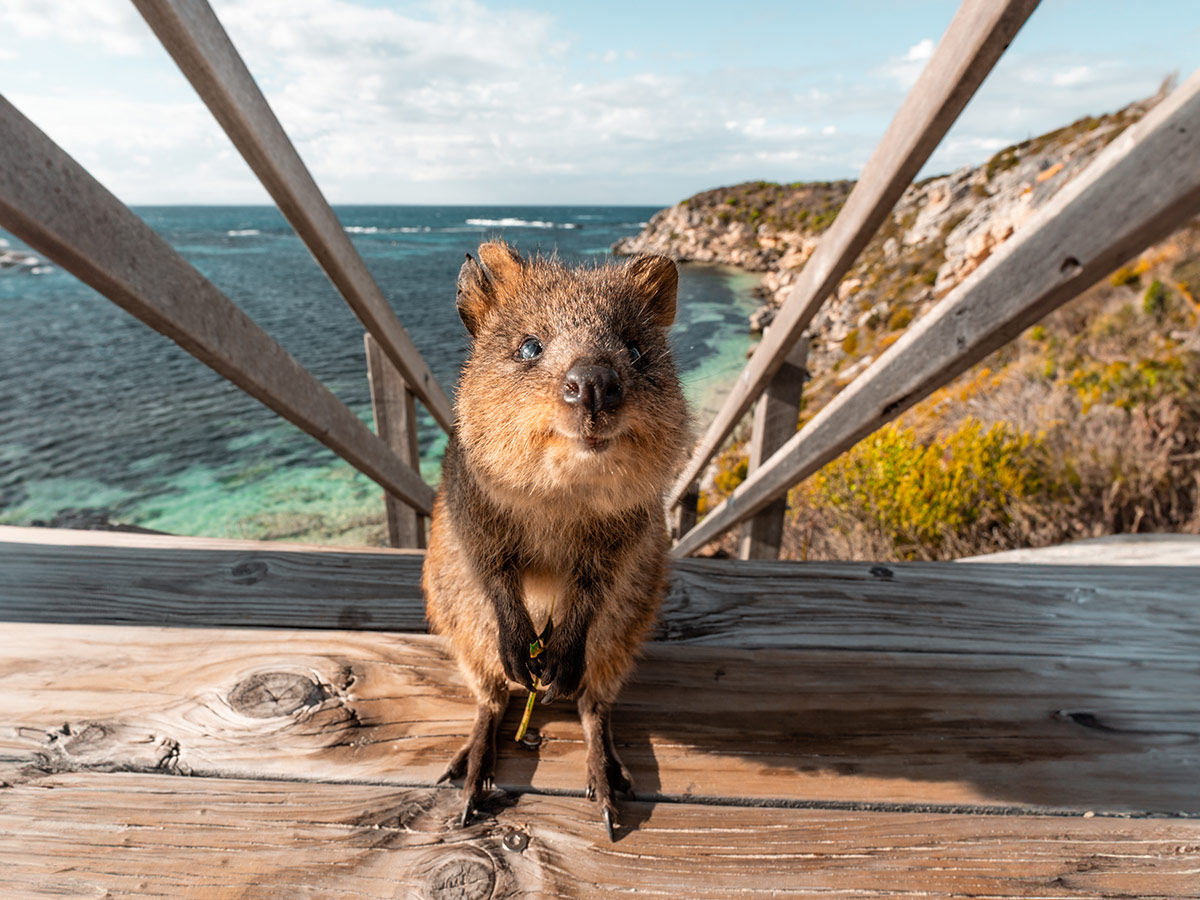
{"x": 1131, "y": 613}
{"x": 191, "y": 33}
{"x": 122, "y": 835}
{"x": 976, "y": 38}
{"x": 106, "y": 577}
{"x": 1139, "y": 189}
{"x": 395, "y": 422}
{"x": 55, "y": 206}
{"x": 999, "y": 731}
{"x": 775, "y": 416}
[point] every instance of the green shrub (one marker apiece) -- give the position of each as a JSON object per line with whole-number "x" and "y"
{"x": 731, "y": 471}
{"x": 1154, "y": 301}
{"x": 1128, "y": 385}
{"x": 1127, "y": 276}
{"x": 919, "y": 495}
{"x": 899, "y": 318}
{"x": 1003, "y": 161}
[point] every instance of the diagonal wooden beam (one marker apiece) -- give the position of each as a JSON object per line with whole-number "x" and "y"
{"x": 191, "y": 33}
{"x": 979, "y": 33}
{"x": 50, "y": 202}
{"x": 1142, "y": 187}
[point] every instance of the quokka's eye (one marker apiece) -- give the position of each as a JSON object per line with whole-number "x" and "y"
{"x": 635, "y": 352}
{"x": 531, "y": 348}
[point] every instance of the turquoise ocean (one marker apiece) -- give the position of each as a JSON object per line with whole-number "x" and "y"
{"x": 100, "y": 413}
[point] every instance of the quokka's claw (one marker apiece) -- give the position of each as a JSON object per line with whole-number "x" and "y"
{"x": 467, "y": 813}
{"x": 610, "y": 824}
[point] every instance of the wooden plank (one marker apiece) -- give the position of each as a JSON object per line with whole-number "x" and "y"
{"x": 1142, "y": 613}
{"x": 775, "y": 417}
{"x": 50, "y": 202}
{"x": 978, "y": 35}
{"x": 151, "y": 580}
{"x": 395, "y": 422}
{"x": 1139, "y": 189}
{"x": 191, "y": 33}
{"x": 1113, "y": 550}
{"x": 995, "y": 731}
{"x": 118, "y": 835}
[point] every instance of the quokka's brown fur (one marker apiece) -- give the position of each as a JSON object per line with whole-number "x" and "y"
{"x": 570, "y": 426}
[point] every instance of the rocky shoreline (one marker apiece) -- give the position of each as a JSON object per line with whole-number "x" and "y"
{"x": 940, "y": 231}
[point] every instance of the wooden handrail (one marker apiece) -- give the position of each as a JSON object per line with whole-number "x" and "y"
{"x": 53, "y": 204}
{"x": 191, "y": 33}
{"x": 977, "y": 36}
{"x": 1143, "y": 186}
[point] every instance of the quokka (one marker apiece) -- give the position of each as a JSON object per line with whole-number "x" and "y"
{"x": 570, "y": 426}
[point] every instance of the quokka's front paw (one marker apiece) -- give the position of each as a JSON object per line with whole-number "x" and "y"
{"x": 562, "y": 667}
{"x": 515, "y": 642}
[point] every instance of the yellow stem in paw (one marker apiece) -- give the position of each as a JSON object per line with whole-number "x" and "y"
{"x": 524, "y": 726}
{"x": 535, "y": 650}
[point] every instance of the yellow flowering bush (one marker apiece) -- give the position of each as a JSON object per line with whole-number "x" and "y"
{"x": 917, "y": 494}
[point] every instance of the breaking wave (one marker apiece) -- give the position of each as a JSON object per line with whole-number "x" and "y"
{"x": 519, "y": 223}
{"x": 375, "y": 229}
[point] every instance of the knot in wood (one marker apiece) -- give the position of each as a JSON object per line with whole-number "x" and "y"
{"x": 463, "y": 878}
{"x": 249, "y": 572}
{"x": 265, "y": 695}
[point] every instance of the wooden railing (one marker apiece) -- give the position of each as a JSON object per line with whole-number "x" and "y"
{"x": 1144, "y": 185}
{"x": 55, "y": 206}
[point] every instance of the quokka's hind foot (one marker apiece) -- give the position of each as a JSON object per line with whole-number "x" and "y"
{"x": 474, "y": 762}
{"x": 600, "y": 788}
{"x": 606, "y": 773}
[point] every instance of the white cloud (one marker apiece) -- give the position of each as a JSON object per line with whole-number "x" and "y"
{"x": 920, "y": 51}
{"x": 458, "y": 102}
{"x": 1073, "y": 76}
{"x": 1031, "y": 94}
{"x": 112, "y": 25}
{"x": 906, "y": 68}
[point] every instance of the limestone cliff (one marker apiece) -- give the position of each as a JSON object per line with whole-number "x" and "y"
{"x": 941, "y": 229}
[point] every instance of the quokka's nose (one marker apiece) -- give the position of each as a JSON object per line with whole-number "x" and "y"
{"x": 594, "y": 388}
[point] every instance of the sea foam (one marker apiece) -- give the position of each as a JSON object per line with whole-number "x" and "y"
{"x": 375, "y": 229}
{"x": 519, "y": 223}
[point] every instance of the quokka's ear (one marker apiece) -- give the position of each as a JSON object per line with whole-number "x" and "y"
{"x": 481, "y": 284}
{"x": 656, "y": 281}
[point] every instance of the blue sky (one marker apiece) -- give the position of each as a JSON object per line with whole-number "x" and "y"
{"x": 541, "y": 102}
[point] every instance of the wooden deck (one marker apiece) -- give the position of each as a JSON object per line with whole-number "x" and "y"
{"x": 200, "y": 718}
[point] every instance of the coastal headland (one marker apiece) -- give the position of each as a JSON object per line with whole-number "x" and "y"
{"x": 1078, "y": 429}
